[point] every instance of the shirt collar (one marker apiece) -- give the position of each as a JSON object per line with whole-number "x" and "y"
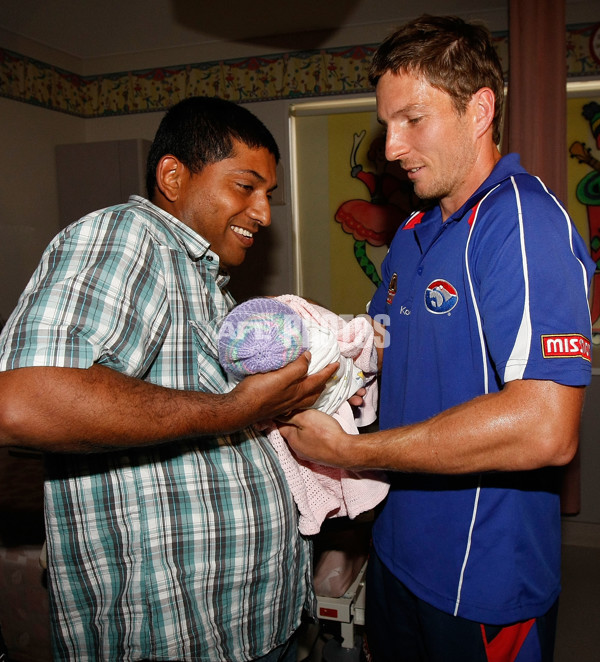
{"x": 194, "y": 244}
{"x": 506, "y": 167}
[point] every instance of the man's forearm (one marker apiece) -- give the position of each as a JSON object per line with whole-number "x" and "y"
{"x": 69, "y": 409}
{"x": 528, "y": 425}
{"x": 84, "y": 410}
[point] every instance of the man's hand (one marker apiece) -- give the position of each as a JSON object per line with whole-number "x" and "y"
{"x": 317, "y": 436}
{"x": 272, "y": 394}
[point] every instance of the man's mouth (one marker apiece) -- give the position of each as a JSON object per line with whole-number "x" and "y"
{"x": 411, "y": 172}
{"x": 242, "y": 231}
{"x": 245, "y": 237}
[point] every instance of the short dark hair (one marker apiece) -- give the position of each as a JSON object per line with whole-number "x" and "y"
{"x": 201, "y": 130}
{"x": 452, "y": 55}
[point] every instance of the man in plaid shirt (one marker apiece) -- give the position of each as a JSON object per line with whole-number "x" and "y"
{"x": 172, "y": 534}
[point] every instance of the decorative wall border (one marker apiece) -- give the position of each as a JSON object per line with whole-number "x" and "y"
{"x": 332, "y": 71}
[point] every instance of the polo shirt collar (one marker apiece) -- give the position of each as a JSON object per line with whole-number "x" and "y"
{"x": 506, "y": 167}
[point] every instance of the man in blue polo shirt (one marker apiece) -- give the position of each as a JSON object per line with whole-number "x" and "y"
{"x": 487, "y": 330}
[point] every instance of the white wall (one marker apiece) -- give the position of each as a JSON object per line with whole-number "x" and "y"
{"x": 28, "y": 192}
{"x": 584, "y": 528}
{"x": 29, "y": 205}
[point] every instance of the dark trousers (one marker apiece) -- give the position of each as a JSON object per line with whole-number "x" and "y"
{"x": 403, "y": 628}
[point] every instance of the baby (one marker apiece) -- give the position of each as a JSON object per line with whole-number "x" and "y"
{"x": 265, "y": 334}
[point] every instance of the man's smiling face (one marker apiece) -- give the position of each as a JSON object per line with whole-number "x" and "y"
{"x": 228, "y": 201}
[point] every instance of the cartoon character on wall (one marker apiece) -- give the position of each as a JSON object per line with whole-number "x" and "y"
{"x": 375, "y": 221}
{"x": 588, "y": 193}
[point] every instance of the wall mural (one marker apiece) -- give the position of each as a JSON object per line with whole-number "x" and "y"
{"x": 374, "y": 221}
{"x": 329, "y": 71}
{"x": 584, "y": 187}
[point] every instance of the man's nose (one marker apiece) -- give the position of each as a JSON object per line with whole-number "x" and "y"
{"x": 396, "y": 146}
{"x": 261, "y": 210}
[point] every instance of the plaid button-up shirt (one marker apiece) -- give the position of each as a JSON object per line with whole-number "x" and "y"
{"x": 184, "y": 551}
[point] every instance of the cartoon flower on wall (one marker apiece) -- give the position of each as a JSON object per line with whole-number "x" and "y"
{"x": 588, "y": 193}
{"x": 375, "y": 221}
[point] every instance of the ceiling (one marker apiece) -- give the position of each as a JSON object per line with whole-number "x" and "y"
{"x": 96, "y": 36}
{"x": 91, "y": 29}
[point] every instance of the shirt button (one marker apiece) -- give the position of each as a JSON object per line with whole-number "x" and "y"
{"x": 209, "y": 258}
{"x": 420, "y": 270}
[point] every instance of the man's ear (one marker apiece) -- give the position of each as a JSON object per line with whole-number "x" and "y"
{"x": 485, "y": 106}
{"x": 169, "y": 172}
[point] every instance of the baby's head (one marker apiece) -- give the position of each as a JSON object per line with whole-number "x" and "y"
{"x": 260, "y": 335}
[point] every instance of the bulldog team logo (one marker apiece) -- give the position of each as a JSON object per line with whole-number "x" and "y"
{"x": 440, "y": 297}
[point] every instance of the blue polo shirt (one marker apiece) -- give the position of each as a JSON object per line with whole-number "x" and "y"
{"x": 495, "y": 293}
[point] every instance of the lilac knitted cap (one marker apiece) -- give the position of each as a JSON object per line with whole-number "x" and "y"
{"x": 260, "y": 335}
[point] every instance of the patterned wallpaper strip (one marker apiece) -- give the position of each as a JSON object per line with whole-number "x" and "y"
{"x": 333, "y": 71}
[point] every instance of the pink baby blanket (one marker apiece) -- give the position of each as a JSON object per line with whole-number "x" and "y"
{"x": 321, "y": 491}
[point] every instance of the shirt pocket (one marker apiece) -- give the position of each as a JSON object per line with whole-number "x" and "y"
{"x": 211, "y": 376}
